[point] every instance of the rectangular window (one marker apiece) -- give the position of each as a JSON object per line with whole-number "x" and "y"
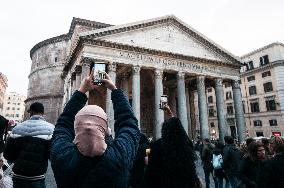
{"x": 209, "y": 90}
{"x": 230, "y": 109}
{"x": 273, "y": 122}
{"x": 228, "y": 95}
{"x": 259, "y": 133}
{"x": 263, "y": 60}
{"x": 257, "y": 123}
{"x": 254, "y": 106}
{"x": 270, "y": 105}
{"x": 249, "y": 65}
{"x": 250, "y": 78}
{"x": 211, "y": 112}
{"x": 267, "y": 87}
{"x": 252, "y": 90}
{"x": 17, "y": 115}
{"x": 265, "y": 74}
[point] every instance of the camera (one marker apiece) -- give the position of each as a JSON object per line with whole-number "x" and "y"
{"x": 163, "y": 101}
{"x": 99, "y": 73}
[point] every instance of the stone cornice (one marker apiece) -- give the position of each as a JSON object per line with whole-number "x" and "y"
{"x": 65, "y": 37}
{"x": 43, "y": 97}
{"x": 262, "y": 48}
{"x": 88, "y": 23}
{"x": 52, "y": 40}
{"x": 262, "y": 68}
{"x": 157, "y": 21}
{"x": 45, "y": 67}
{"x": 89, "y": 41}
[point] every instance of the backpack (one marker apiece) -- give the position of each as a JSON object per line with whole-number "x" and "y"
{"x": 217, "y": 161}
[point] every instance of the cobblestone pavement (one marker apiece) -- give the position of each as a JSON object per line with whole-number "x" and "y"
{"x": 200, "y": 173}
{"x": 49, "y": 178}
{"x": 50, "y": 181}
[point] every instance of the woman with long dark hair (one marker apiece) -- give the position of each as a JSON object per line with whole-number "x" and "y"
{"x": 171, "y": 160}
{"x": 251, "y": 163}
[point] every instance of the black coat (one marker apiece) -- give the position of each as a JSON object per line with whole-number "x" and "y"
{"x": 231, "y": 160}
{"x": 271, "y": 173}
{"x": 248, "y": 172}
{"x": 3, "y": 127}
{"x": 111, "y": 170}
{"x": 28, "y": 147}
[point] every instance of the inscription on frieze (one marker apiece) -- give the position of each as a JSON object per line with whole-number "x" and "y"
{"x": 169, "y": 63}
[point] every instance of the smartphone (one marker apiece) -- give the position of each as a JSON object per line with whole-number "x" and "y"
{"x": 99, "y": 73}
{"x": 163, "y": 101}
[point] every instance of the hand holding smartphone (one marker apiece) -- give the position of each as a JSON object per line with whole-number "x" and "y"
{"x": 99, "y": 73}
{"x": 163, "y": 101}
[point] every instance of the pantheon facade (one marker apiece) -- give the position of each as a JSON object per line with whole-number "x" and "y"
{"x": 147, "y": 59}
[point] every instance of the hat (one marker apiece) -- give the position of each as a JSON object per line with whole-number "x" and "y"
{"x": 36, "y": 107}
{"x": 90, "y": 127}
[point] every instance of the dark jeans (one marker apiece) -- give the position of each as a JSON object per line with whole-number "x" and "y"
{"x": 207, "y": 173}
{"x": 220, "y": 182}
{"x": 234, "y": 181}
{"x": 19, "y": 183}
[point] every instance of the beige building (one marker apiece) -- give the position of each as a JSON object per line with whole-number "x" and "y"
{"x": 262, "y": 86}
{"x": 147, "y": 59}
{"x": 3, "y": 86}
{"x": 14, "y": 106}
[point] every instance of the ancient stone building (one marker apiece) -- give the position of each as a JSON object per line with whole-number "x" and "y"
{"x": 3, "y": 86}
{"x": 147, "y": 59}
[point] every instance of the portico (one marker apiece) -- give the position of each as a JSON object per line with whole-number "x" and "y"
{"x": 162, "y": 56}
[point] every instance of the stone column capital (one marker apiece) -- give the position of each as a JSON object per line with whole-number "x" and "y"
{"x": 78, "y": 69}
{"x": 236, "y": 84}
{"x": 158, "y": 74}
{"x": 112, "y": 67}
{"x": 201, "y": 79}
{"x": 181, "y": 75}
{"x": 136, "y": 69}
{"x": 86, "y": 61}
{"x": 218, "y": 82}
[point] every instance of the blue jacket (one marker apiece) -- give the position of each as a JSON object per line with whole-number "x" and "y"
{"x": 72, "y": 169}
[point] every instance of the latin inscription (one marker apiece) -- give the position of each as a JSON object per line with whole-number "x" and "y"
{"x": 166, "y": 63}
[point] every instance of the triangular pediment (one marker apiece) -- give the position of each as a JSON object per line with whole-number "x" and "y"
{"x": 167, "y": 34}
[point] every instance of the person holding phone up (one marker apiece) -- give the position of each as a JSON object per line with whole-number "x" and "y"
{"x": 80, "y": 156}
{"x": 171, "y": 159}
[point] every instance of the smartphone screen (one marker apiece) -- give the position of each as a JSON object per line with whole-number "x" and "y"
{"x": 99, "y": 73}
{"x": 164, "y": 99}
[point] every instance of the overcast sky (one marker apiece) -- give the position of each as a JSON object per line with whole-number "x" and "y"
{"x": 239, "y": 26}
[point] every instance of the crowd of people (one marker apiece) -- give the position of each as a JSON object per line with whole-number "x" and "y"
{"x": 84, "y": 153}
{"x": 252, "y": 164}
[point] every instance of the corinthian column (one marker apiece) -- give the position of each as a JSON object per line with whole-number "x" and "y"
{"x": 136, "y": 92}
{"x": 239, "y": 113}
{"x": 202, "y": 106}
{"x": 78, "y": 70}
{"x": 86, "y": 63}
{"x": 109, "y": 106}
{"x": 125, "y": 85}
{"x": 221, "y": 112}
{"x": 182, "y": 108}
{"x": 159, "y": 114}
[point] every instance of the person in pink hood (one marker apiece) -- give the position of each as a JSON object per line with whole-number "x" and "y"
{"x": 80, "y": 156}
